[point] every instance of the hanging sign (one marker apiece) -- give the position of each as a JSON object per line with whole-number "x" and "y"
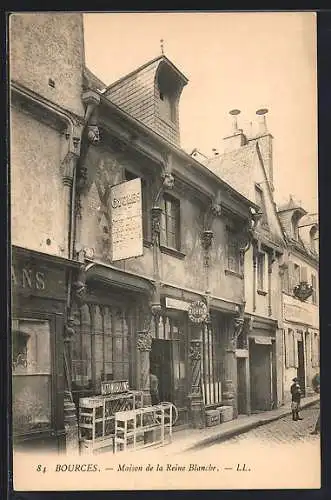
{"x": 197, "y": 312}
{"x": 126, "y": 220}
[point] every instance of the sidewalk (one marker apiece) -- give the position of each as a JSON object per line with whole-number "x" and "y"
{"x": 189, "y": 439}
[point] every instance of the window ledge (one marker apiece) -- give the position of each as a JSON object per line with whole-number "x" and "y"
{"x": 172, "y": 251}
{"x": 262, "y": 292}
{"x": 229, "y": 272}
{"x": 147, "y": 243}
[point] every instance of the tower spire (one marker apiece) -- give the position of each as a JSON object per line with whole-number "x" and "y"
{"x": 162, "y": 46}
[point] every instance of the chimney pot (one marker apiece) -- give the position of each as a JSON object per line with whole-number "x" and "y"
{"x": 261, "y": 113}
{"x": 234, "y": 113}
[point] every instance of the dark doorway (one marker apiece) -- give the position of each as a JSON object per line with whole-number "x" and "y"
{"x": 261, "y": 376}
{"x": 160, "y": 363}
{"x": 301, "y": 367}
{"x": 242, "y": 396}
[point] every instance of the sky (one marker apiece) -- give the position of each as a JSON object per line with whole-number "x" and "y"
{"x": 245, "y": 61}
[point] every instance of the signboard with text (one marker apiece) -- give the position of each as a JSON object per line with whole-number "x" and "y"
{"x": 126, "y": 220}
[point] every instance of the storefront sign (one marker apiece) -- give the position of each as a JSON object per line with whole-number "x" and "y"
{"x": 197, "y": 312}
{"x": 262, "y": 340}
{"x": 177, "y": 304}
{"x": 28, "y": 278}
{"x": 241, "y": 353}
{"x": 114, "y": 387}
{"x": 126, "y": 220}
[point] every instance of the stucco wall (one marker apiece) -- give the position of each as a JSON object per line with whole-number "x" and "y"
{"x": 36, "y": 185}
{"x": 47, "y": 46}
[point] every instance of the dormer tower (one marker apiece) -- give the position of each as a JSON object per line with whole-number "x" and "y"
{"x": 151, "y": 93}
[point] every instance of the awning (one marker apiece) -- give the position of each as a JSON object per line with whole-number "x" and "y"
{"x": 262, "y": 340}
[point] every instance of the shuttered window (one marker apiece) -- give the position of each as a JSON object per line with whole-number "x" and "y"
{"x": 291, "y": 349}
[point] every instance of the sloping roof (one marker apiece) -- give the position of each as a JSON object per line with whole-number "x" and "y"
{"x": 292, "y": 204}
{"x": 93, "y": 82}
{"x": 144, "y": 66}
{"x": 309, "y": 220}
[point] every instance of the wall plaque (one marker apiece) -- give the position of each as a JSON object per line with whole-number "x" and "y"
{"x": 198, "y": 312}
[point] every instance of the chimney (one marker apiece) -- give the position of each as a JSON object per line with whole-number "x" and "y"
{"x": 264, "y": 141}
{"x": 262, "y": 122}
{"x": 237, "y": 138}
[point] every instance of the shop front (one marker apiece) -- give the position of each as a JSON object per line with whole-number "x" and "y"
{"x": 38, "y": 308}
{"x": 262, "y": 366}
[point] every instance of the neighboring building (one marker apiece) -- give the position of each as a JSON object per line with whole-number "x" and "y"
{"x": 246, "y": 165}
{"x": 300, "y": 296}
{"x": 46, "y": 120}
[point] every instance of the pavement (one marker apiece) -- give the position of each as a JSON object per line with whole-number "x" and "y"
{"x": 193, "y": 439}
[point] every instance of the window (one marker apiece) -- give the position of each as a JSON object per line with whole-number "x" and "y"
{"x": 291, "y": 349}
{"x": 233, "y": 253}
{"x": 211, "y": 366}
{"x": 314, "y": 285}
{"x": 31, "y": 364}
{"x": 297, "y": 275}
{"x": 170, "y": 222}
{"x": 102, "y": 348}
{"x": 129, "y": 176}
{"x": 314, "y": 239}
{"x": 286, "y": 281}
{"x": 259, "y": 198}
{"x": 260, "y": 270}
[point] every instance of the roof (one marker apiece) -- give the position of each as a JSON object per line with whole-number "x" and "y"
{"x": 145, "y": 65}
{"x": 292, "y": 204}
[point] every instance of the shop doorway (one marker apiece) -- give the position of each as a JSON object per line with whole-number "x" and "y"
{"x": 242, "y": 386}
{"x": 260, "y": 361}
{"x": 301, "y": 367}
{"x": 168, "y": 363}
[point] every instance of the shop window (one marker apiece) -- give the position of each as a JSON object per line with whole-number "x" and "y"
{"x": 211, "y": 367}
{"x": 314, "y": 285}
{"x": 101, "y": 349}
{"x": 31, "y": 370}
{"x": 233, "y": 253}
{"x": 170, "y": 222}
{"x": 260, "y": 266}
{"x": 129, "y": 176}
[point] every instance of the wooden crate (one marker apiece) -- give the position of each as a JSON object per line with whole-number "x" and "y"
{"x": 148, "y": 426}
{"x": 212, "y": 418}
{"x": 97, "y": 417}
{"x": 226, "y": 413}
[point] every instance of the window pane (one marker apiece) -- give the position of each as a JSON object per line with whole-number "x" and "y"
{"x": 31, "y": 347}
{"x": 31, "y": 403}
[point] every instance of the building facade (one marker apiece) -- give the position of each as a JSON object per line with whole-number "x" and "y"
{"x": 247, "y": 165}
{"x": 300, "y": 297}
{"x": 46, "y": 120}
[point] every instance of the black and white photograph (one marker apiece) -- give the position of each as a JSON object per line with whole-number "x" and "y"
{"x": 164, "y": 250}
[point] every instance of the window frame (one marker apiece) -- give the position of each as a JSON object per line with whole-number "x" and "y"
{"x": 260, "y": 266}
{"x": 233, "y": 254}
{"x": 164, "y": 233}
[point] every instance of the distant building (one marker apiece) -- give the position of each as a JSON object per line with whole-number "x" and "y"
{"x": 300, "y": 296}
{"x": 247, "y": 165}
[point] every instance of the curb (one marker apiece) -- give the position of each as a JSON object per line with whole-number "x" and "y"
{"x": 245, "y": 427}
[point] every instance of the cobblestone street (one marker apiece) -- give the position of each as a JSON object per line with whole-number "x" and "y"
{"x": 281, "y": 431}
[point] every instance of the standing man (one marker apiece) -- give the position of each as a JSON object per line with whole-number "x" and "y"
{"x": 154, "y": 387}
{"x": 296, "y": 398}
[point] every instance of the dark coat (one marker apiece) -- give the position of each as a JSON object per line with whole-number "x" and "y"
{"x": 296, "y": 392}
